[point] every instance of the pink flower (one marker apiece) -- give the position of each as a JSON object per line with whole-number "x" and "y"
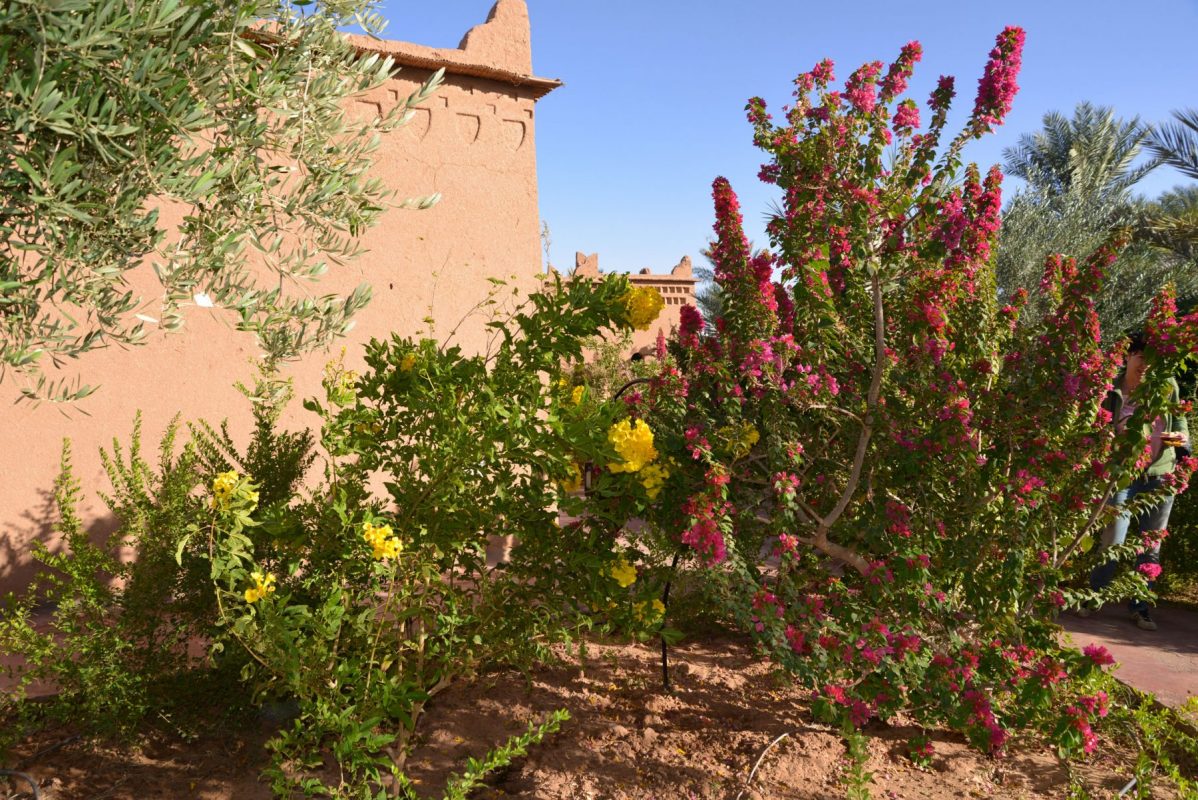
{"x": 997, "y": 87}
{"x": 707, "y": 540}
{"x": 1150, "y": 571}
{"x": 798, "y": 642}
{"x": 906, "y": 116}
{"x": 690, "y": 325}
{"x": 895, "y": 82}
{"x": 823, "y": 72}
{"x": 861, "y": 90}
{"x": 943, "y": 94}
{"x": 1098, "y": 654}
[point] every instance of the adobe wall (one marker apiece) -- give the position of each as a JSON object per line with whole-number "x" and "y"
{"x": 677, "y": 288}
{"x": 474, "y": 142}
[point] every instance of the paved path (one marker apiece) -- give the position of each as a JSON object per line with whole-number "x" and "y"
{"x": 1164, "y": 661}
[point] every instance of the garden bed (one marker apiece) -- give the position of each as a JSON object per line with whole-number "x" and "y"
{"x": 626, "y": 739}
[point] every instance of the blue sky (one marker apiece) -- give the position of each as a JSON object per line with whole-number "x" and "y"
{"x": 652, "y": 109}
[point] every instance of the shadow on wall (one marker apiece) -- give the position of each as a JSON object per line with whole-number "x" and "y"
{"x": 39, "y": 524}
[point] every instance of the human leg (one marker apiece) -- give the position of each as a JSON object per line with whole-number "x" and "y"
{"x": 1151, "y": 522}
{"x": 1114, "y": 534}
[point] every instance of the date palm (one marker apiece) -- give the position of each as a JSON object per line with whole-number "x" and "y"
{"x": 1092, "y": 154}
{"x": 1080, "y": 174}
{"x": 1173, "y": 224}
{"x": 1176, "y": 143}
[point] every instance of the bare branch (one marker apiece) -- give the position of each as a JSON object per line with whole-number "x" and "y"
{"x": 871, "y": 401}
{"x": 1077, "y": 540}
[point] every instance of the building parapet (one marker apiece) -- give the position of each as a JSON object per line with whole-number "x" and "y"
{"x": 499, "y": 49}
{"x": 677, "y": 288}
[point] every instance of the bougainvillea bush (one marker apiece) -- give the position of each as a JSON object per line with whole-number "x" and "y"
{"x": 880, "y": 474}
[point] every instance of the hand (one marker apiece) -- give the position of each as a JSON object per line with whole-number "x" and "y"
{"x": 1175, "y": 439}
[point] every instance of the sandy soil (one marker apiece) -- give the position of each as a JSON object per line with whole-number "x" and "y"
{"x": 626, "y": 739}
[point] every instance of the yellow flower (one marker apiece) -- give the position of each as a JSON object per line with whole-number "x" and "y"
{"x": 649, "y": 612}
{"x": 623, "y": 572}
{"x": 263, "y": 585}
{"x": 576, "y": 395}
{"x": 383, "y": 544}
{"x": 574, "y": 482}
{"x": 633, "y": 441}
{"x": 339, "y": 382}
{"x": 641, "y": 306}
{"x": 222, "y": 489}
{"x": 653, "y": 477}
{"x": 407, "y": 362}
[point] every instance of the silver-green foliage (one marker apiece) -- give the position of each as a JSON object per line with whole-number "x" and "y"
{"x": 113, "y": 110}
{"x": 1080, "y": 173}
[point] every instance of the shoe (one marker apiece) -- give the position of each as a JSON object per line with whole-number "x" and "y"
{"x": 1143, "y": 621}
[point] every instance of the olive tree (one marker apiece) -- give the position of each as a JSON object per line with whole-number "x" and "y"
{"x": 112, "y": 110}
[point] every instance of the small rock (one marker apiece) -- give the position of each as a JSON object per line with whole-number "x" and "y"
{"x": 649, "y": 735}
{"x": 652, "y": 720}
{"x": 620, "y": 731}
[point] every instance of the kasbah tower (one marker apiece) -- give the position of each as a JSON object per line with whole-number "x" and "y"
{"x": 473, "y": 141}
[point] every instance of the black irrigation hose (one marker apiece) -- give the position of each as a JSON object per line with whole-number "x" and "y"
{"x": 665, "y": 601}
{"x": 12, "y": 772}
{"x": 665, "y": 595}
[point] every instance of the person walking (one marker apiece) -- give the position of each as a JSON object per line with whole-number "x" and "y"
{"x": 1170, "y": 440}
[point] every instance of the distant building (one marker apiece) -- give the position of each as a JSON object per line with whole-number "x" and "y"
{"x": 677, "y": 288}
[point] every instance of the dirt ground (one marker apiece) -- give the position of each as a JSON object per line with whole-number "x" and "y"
{"x": 625, "y": 739}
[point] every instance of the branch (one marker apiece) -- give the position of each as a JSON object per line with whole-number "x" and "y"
{"x": 851, "y": 557}
{"x": 1077, "y": 540}
{"x": 834, "y": 409}
{"x": 867, "y": 426}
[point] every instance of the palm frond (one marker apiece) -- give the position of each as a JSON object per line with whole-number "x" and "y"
{"x": 1176, "y": 143}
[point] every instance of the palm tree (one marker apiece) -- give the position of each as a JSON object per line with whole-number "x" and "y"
{"x": 1176, "y": 143}
{"x": 1173, "y": 224}
{"x": 1092, "y": 155}
{"x": 709, "y": 297}
{"x": 1080, "y": 174}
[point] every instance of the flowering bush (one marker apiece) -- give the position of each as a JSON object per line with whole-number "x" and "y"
{"x": 880, "y": 474}
{"x": 361, "y": 604}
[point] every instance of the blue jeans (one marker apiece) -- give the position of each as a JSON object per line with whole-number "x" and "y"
{"x": 1155, "y": 518}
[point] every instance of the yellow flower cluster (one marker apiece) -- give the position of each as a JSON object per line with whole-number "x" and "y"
{"x": 407, "y": 362}
{"x": 633, "y": 441}
{"x": 649, "y": 612}
{"x": 642, "y": 305}
{"x": 653, "y": 477}
{"x": 339, "y": 382}
{"x": 222, "y": 489}
{"x": 623, "y": 572}
{"x": 577, "y": 395}
{"x": 263, "y": 585}
{"x": 574, "y": 482}
{"x": 740, "y": 438}
{"x": 382, "y": 541}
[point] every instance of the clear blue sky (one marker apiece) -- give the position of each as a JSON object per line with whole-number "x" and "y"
{"x": 652, "y": 109}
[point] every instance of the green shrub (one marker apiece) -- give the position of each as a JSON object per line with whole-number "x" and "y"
{"x": 115, "y": 642}
{"x": 370, "y": 595}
